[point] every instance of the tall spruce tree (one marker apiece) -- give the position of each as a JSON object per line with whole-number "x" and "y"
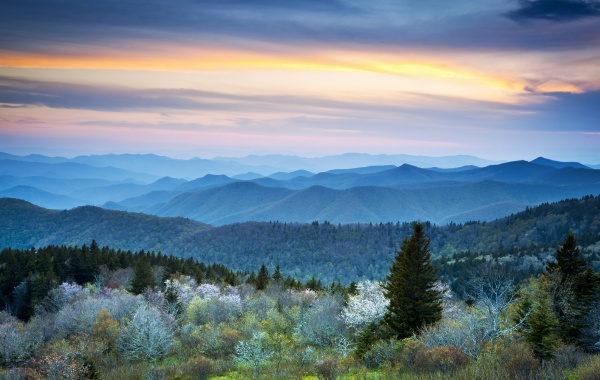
{"x": 576, "y": 294}
{"x": 541, "y": 328}
{"x": 143, "y": 276}
{"x": 414, "y": 302}
{"x": 262, "y": 279}
{"x": 568, "y": 261}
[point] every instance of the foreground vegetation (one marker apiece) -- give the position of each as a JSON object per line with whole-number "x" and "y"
{"x": 97, "y": 313}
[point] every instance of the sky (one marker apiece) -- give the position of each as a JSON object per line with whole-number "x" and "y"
{"x": 497, "y": 79}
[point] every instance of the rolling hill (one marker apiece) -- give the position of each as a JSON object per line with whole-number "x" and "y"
{"x": 345, "y": 252}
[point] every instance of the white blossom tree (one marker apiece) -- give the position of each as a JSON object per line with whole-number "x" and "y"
{"x": 367, "y": 306}
{"x": 253, "y": 352}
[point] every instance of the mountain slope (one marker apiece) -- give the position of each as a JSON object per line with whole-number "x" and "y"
{"x": 558, "y": 164}
{"x": 24, "y": 225}
{"x": 41, "y": 198}
{"x": 457, "y": 202}
{"x": 332, "y": 252}
{"x": 69, "y": 170}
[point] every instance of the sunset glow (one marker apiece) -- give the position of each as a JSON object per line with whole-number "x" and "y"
{"x": 326, "y": 78}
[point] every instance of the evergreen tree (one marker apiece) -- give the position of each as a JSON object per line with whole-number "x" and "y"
{"x": 568, "y": 261}
{"x": 143, "y": 276}
{"x": 576, "y": 292}
{"x": 414, "y": 302}
{"x": 173, "y": 304}
{"x": 541, "y": 328}
{"x": 277, "y": 277}
{"x": 262, "y": 280}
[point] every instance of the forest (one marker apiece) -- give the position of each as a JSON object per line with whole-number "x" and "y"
{"x": 94, "y": 312}
{"x": 343, "y": 253}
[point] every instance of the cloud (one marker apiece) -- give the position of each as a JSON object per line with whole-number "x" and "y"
{"x": 554, "y": 10}
{"x": 570, "y": 112}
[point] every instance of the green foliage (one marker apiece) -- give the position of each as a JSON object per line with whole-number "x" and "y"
{"x": 143, "y": 277}
{"x": 414, "y": 302}
{"x": 569, "y": 262}
{"x": 576, "y": 292}
{"x": 518, "y": 244}
{"x": 542, "y": 324}
{"x": 262, "y": 279}
{"x": 33, "y": 273}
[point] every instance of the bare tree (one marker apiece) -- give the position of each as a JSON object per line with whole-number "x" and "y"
{"x": 494, "y": 294}
{"x": 147, "y": 336}
{"x": 16, "y": 342}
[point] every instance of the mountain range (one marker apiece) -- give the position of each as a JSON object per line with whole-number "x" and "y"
{"x": 344, "y": 252}
{"x": 248, "y": 189}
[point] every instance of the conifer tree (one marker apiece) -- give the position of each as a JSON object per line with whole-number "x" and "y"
{"x": 143, "y": 276}
{"x": 568, "y": 261}
{"x": 277, "y": 277}
{"x": 576, "y": 292}
{"x": 262, "y": 279}
{"x": 409, "y": 287}
{"x": 541, "y": 329}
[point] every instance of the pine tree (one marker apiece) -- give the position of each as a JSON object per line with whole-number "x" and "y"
{"x": 576, "y": 292}
{"x": 277, "y": 277}
{"x": 172, "y": 301}
{"x": 414, "y": 302}
{"x": 262, "y": 279}
{"x": 143, "y": 276}
{"x": 568, "y": 261}
{"x": 541, "y": 329}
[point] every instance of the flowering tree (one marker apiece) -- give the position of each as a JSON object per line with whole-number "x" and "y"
{"x": 368, "y": 305}
{"x": 253, "y": 352}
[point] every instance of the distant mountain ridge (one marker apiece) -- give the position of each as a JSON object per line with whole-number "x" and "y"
{"x": 375, "y": 193}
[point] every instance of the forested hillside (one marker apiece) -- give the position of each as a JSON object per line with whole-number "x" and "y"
{"x": 334, "y": 252}
{"x": 24, "y": 225}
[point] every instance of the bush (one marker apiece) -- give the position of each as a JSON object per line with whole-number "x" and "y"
{"x": 440, "y": 358}
{"x": 199, "y": 368}
{"x": 384, "y": 351}
{"x": 327, "y": 369}
{"x": 518, "y": 360}
{"x": 569, "y": 357}
{"x": 590, "y": 371}
{"x": 411, "y": 349}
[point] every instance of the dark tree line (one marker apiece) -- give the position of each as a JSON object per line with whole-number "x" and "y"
{"x": 28, "y": 275}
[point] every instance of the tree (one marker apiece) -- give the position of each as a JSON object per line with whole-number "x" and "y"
{"x": 366, "y": 307}
{"x": 414, "y": 302}
{"x": 541, "y": 331}
{"x": 262, "y": 280}
{"x": 253, "y": 352}
{"x": 576, "y": 292}
{"x": 143, "y": 276}
{"x": 568, "y": 261}
{"x": 277, "y": 277}
{"x": 147, "y": 336}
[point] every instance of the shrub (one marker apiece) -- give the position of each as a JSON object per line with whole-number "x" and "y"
{"x": 518, "y": 360}
{"x": 439, "y": 358}
{"x": 411, "y": 349}
{"x": 384, "y": 351}
{"x": 590, "y": 371}
{"x": 569, "y": 357}
{"x": 199, "y": 368}
{"x": 327, "y": 369}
